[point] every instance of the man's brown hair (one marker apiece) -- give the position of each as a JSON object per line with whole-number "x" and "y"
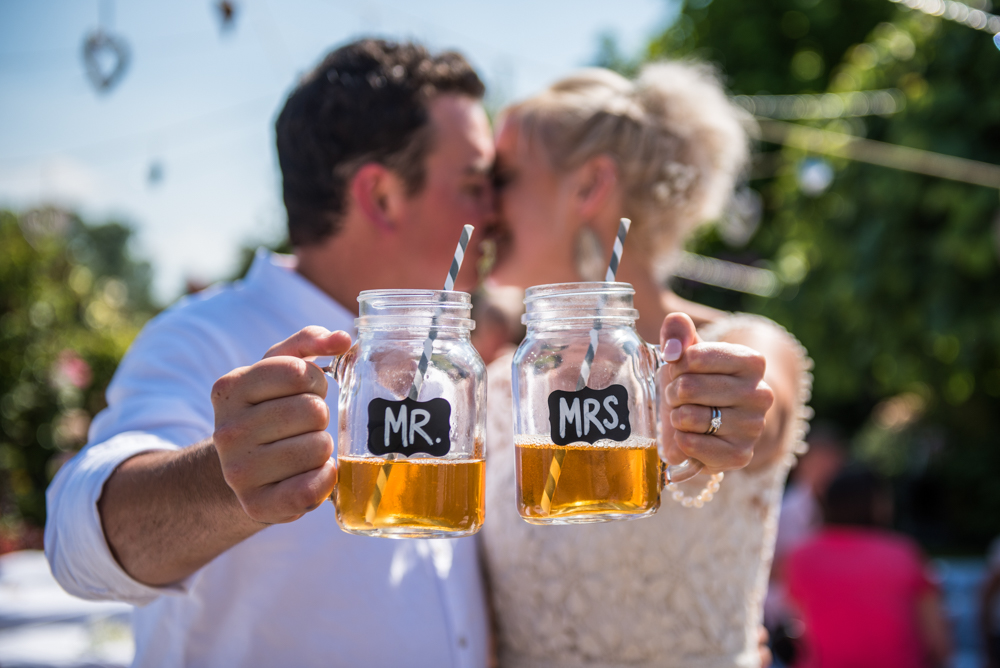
{"x": 366, "y": 102}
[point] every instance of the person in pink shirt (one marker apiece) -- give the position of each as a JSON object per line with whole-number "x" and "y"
{"x": 864, "y": 593}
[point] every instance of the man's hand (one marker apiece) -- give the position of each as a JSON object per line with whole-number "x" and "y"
{"x": 699, "y": 376}
{"x": 167, "y": 513}
{"x": 270, "y": 422}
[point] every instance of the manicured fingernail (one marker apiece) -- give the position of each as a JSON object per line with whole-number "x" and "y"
{"x": 672, "y": 350}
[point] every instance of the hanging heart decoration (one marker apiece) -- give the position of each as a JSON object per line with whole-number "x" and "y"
{"x": 106, "y": 58}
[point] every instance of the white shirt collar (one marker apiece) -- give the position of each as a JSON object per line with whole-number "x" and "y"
{"x": 275, "y": 274}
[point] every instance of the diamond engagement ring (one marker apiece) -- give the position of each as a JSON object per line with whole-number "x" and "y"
{"x": 716, "y": 421}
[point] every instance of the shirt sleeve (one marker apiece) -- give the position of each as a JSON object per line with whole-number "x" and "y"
{"x": 159, "y": 399}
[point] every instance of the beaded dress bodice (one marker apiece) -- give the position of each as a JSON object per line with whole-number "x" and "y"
{"x": 682, "y": 588}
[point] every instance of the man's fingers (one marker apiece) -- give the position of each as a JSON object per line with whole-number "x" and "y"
{"x": 281, "y": 460}
{"x": 312, "y": 342}
{"x": 269, "y": 379}
{"x": 291, "y": 498}
{"x": 723, "y": 358}
{"x": 272, "y": 421}
{"x": 677, "y": 334}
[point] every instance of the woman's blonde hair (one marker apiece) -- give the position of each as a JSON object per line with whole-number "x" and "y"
{"x": 678, "y": 141}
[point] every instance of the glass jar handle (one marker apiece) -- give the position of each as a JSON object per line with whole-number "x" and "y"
{"x": 335, "y": 369}
{"x": 687, "y": 469}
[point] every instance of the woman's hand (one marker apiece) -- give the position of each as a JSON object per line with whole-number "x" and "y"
{"x": 699, "y": 376}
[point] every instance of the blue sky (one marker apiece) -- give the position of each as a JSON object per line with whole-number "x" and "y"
{"x": 200, "y": 103}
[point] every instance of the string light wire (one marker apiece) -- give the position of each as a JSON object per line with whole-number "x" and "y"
{"x": 874, "y": 152}
{"x": 824, "y": 106}
{"x": 957, "y": 12}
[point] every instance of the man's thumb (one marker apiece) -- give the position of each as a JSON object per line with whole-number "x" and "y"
{"x": 676, "y": 335}
{"x": 312, "y": 342}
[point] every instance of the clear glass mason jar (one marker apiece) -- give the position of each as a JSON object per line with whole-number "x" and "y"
{"x": 586, "y": 443}
{"x": 411, "y": 433}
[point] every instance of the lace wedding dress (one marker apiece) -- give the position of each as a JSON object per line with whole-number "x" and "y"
{"x": 683, "y": 588}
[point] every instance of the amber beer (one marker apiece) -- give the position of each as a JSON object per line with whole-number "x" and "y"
{"x": 420, "y": 497}
{"x": 599, "y": 482}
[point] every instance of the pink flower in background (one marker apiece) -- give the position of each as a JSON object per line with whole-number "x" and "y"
{"x": 72, "y": 370}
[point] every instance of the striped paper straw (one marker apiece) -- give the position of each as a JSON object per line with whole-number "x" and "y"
{"x": 371, "y": 509}
{"x": 616, "y": 254}
{"x": 555, "y": 468}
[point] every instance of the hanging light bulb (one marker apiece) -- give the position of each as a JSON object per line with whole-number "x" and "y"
{"x": 814, "y": 176}
{"x": 741, "y": 218}
{"x": 226, "y": 11}
{"x": 155, "y": 173}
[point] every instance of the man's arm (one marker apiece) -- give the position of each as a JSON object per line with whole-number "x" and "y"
{"x": 166, "y": 514}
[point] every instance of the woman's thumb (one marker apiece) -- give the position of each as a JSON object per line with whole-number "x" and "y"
{"x": 676, "y": 335}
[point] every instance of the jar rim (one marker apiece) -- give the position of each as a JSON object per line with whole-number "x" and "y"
{"x": 387, "y": 309}
{"x": 417, "y": 297}
{"x": 537, "y": 292}
{"x": 579, "y": 303}
{"x": 398, "y": 322}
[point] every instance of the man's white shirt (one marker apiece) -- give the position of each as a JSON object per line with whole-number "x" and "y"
{"x": 297, "y": 594}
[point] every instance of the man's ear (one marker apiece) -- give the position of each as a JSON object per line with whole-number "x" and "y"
{"x": 597, "y": 180}
{"x": 377, "y": 192}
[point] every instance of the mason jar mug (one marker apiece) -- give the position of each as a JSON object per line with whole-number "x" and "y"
{"x": 585, "y": 424}
{"x": 412, "y": 415}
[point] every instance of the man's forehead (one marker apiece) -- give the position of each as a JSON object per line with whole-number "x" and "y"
{"x": 460, "y": 124}
{"x": 454, "y": 108}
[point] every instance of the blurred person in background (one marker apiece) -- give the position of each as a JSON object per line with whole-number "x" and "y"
{"x": 989, "y": 611}
{"x": 801, "y": 511}
{"x": 864, "y": 593}
{"x": 201, "y": 496}
{"x": 685, "y": 586}
{"x": 801, "y": 517}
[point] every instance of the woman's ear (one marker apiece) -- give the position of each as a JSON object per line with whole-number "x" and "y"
{"x": 597, "y": 183}
{"x": 377, "y": 193}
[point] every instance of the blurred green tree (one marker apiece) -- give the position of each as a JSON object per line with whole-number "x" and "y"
{"x": 891, "y": 278}
{"x": 72, "y": 298}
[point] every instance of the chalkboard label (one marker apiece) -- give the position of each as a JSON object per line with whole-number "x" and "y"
{"x": 407, "y": 427}
{"x": 589, "y": 415}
